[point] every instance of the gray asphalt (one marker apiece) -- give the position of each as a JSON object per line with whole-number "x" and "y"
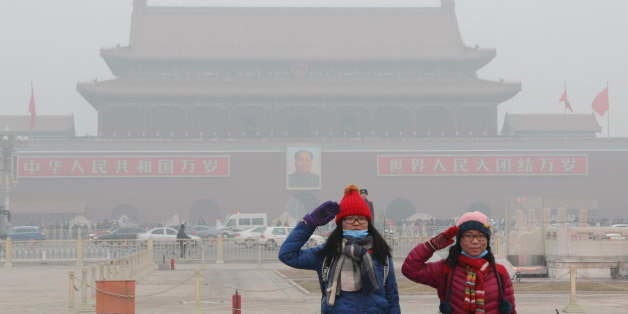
{"x": 44, "y": 289}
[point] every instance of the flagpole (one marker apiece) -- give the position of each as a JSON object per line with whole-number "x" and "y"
{"x": 608, "y": 119}
{"x": 30, "y": 129}
{"x": 565, "y": 92}
{"x": 565, "y": 99}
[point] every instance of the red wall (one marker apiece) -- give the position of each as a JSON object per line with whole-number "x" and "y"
{"x": 257, "y": 183}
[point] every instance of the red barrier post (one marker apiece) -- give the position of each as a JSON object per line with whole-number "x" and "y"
{"x": 236, "y": 303}
{"x": 172, "y": 262}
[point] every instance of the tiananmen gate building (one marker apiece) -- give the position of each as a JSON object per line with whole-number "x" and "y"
{"x": 210, "y": 105}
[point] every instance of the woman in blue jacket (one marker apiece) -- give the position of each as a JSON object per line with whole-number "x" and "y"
{"x": 354, "y": 266}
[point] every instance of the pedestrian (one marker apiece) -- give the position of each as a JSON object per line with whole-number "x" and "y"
{"x": 365, "y": 195}
{"x": 354, "y": 266}
{"x": 468, "y": 280}
{"x": 181, "y": 238}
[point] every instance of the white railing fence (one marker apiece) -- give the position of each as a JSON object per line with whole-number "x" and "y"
{"x": 87, "y": 252}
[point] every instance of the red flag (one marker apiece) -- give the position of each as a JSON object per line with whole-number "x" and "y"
{"x": 600, "y": 102}
{"x": 565, "y": 100}
{"x": 31, "y": 108}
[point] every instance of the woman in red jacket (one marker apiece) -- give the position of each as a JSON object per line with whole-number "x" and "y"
{"x": 468, "y": 280}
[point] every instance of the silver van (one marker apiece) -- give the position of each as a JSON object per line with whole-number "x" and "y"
{"x": 241, "y": 221}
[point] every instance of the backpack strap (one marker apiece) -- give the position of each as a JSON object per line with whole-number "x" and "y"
{"x": 324, "y": 269}
{"x": 386, "y": 270}
{"x": 325, "y": 266}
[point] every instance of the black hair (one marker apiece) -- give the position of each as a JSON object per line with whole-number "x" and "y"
{"x": 381, "y": 250}
{"x": 298, "y": 152}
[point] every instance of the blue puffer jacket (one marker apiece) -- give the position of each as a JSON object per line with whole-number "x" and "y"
{"x": 384, "y": 300}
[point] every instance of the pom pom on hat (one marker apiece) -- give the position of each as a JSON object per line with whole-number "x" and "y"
{"x": 351, "y": 188}
{"x": 352, "y": 204}
{"x": 474, "y": 221}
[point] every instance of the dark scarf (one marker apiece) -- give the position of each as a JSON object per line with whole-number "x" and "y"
{"x": 356, "y": 252}
{"x": 476, "y": 269}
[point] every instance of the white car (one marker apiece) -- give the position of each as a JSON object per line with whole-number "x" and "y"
{"x": 273, "y": 237}
{"x": 162, "y": 233}
{"x": 248, "y": 237}
{"x": 614, "y": 236}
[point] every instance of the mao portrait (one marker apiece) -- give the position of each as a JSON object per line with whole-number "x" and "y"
{"x": 303, "y": 168}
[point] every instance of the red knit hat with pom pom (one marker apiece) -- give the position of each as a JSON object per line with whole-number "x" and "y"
{"x": 352, "y": 204}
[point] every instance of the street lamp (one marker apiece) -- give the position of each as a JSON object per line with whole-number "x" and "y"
{"x": 7, "y": 143}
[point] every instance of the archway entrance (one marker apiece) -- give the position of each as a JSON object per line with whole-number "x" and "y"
{"x": 205, "y": 212}
{"x": 124, "y": 214}
{"x": 399, "y": 209}
{"x": 301, "y": 203}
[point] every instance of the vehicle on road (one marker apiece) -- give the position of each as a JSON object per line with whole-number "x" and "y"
{"x": 204, "y": 231}
{"x": 122, "y": 233}
{"x": 619, "y": 226}
{"x": 243, "y": 221}
{"x": 162, "y": 233}
{"x": 248, "y": 237}
{"x": 273, "y": 237}
{"x": 614, "y": 236}
{"x": 25, "y": 233}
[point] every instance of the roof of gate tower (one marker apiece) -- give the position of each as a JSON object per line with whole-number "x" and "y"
{"x": 322, "y": 33}
{"x": 185, "y": 58}
{"x": 418, "y": 89}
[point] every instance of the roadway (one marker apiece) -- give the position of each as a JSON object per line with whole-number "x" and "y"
{"x": 44, "y": 289}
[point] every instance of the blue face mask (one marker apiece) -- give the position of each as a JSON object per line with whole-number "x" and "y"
{"x": 478, "y": 256}
{"x": 357, "y": 234}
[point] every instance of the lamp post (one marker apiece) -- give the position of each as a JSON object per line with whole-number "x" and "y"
{"x": 7, "y": 143}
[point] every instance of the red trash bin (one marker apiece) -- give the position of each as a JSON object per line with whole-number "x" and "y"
{"x": 115, "y": 297}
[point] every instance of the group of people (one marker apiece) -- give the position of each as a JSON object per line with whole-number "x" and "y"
{"x": 356, "y": 272}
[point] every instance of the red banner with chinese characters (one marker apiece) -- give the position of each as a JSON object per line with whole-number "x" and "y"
{"x": 475, "y": 165}
{"x": 122, "y": 166}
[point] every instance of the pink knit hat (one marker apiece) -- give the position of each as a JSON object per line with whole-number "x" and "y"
{"x": 474, "y": 221}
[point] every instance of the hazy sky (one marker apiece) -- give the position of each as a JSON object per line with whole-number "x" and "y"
{"x": 540, "y": 43}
